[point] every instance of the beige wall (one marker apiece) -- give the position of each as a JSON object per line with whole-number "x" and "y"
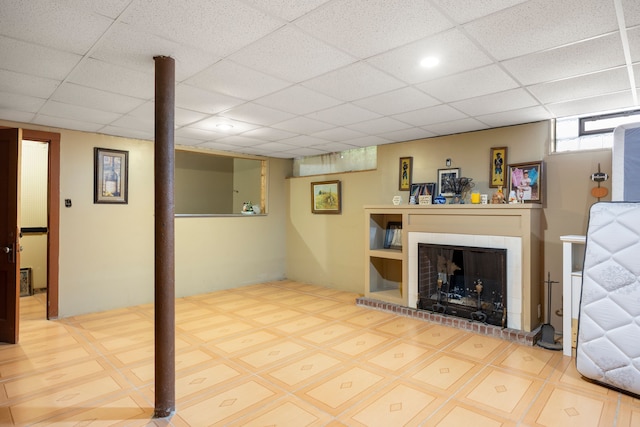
{"x": 107, "y": 251}
{"x": 329, "y": 249}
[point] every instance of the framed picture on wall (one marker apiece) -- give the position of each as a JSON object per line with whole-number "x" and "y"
{"x": 526, "y": 180}
{"x": 111, "y": 176}
{"x": 498, "y": 167}
{"x": 326, "y": 197}
{"x": 444, "y": 177}
{"x": 405, "y": 172}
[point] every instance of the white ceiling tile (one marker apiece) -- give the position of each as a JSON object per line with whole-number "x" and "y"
{"x": 408, "y": 134}
{"x": 469, "y": 84}
{"x": 275, "y": 146}
{"x": 368, "y": 27}
{"x": 613, "y": 101}
{"x": 580, "y": 58}
{"x": 467, "y": 10}
{"x": 213, "y": 145}
{"x": 367, "y": 141}
{"x": 143, "y": 124}
{"x": 634, "y": 44}
{"x": 379, "y": 125}
{"x": 300, "y": 152}
{"x": 128, "y": 47}
{"x": 337, "y": 134}
{"x": 61, "y": 122}
{"x": 355, "y": 81}
{"x": 344, "y": 114}
{"x": 254, "y": 113}
{"x": 16, "y": 116}
{"x": 192, "y": 98}
{"x": 36, "y": 60}
{"x": 59, "y": 109}
{"x": 239, "y": 140}
{"x": 397, "y": 101}
{"x": 236, "y": 80}
{"x": 335, "y": 147}
{"x": 269, "y": 134}
{"x": 512, "y": 117}
{"x": 291, "y": 55}
{"x": 113, "y": 78}
{"x": 198, "y": 134}
{"x": 303, "y": 141}
{"x": 542, "y": 24}
{"x": 89, "y": 97}
{"x": 457, "y": 126}
{"x": 23, "y": 103}
{"x": 220, "y": 27}
{"x": 631, "y": 10}
{"x": 187, "y": 142}
{"x": 302, "y": 125}
{"x": 127, "y": 133}
{"x": 298, "y": 100}
{"x": 456, "y": 53}
{"x": 585, "y": 86}
{"x": 496, "y": 102}
{"x": 427, "y": 116}
{"x": 24, "y": 84}
{"x": 286, "y": 9}
{"x": 111, "y": 8}
{"x": 53, "y": 24}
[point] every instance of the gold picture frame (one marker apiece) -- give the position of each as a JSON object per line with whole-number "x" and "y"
{"x": 405, "y": 173}
{"x": 326, "y": 197}
{"x": 498, "y": 167}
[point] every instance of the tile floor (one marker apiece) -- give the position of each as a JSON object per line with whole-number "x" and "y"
{"x": 290, "y": 354}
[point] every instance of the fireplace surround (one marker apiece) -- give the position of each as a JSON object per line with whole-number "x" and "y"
{"x": 391, "y": 274}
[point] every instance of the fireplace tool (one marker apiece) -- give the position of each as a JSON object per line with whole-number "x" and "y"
{"x": 438, "y": 307}
{"x": 479, "y": 315}
{"x": 548, "y": 338}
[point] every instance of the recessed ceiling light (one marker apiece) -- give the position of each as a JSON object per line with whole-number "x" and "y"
{"x": 429, "y": 62}
{"x": 224, "y": 126}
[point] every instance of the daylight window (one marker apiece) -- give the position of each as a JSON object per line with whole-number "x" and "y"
{"x": 357, "y": 159}
{"x": 590, "y": 132}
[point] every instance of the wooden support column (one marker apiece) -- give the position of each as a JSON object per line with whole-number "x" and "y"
{"x": 165, "y": 377}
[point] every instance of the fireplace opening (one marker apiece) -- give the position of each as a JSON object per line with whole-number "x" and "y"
{"x": 463, "y": 281}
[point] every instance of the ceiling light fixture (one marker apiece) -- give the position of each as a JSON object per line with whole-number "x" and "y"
{"x": 429, "y": 62}
{"x": 224, "y": 126}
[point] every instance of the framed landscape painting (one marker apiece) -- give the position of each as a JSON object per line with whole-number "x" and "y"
{"x": 326, "y": 197}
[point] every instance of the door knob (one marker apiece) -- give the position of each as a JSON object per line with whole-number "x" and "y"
{"x": 6, "y": 249}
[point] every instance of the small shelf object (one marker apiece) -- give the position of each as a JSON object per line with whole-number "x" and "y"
{"x": 573, "y": 247}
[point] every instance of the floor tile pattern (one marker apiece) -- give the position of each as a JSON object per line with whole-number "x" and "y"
{"x": 291, "y": 354}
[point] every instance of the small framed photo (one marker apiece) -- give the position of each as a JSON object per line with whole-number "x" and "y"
{"x": 111, "y": 176}
{"x": 526, "y": 180}
{"x": 326, "y": 197}
{"x": 406, "y": 170}
{"x": 444, "y": 178}
{"x": 422, "y": 193}
{"x": 393, "y": 236}
{"x": 498, "y": 167}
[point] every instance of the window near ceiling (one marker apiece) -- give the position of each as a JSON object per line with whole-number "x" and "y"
{"x": 357, "y": 159}
{"x": 591, "y": 132}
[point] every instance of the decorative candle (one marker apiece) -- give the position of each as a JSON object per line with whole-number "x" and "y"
{"x": 475, "y": 198}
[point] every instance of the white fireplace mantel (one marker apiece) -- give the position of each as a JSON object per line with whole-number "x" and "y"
{"x": 387, "y": 275}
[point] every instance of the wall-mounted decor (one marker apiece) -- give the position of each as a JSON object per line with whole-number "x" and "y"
{"x": 326, "y": 197}
{"x": 444, "y": 176}
{"x": 111, "y": 176}
{"x": 498, "y": 174}
{"x": 406, "y": 170}
{"x": 420, "y": 191}
{"x": 393, "y": 236}
{"x": 526, "y": 180}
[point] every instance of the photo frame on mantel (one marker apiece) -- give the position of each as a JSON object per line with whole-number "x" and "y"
{"x": 405, "y": 173}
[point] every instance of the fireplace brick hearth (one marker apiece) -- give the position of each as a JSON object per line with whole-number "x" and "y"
{"x": 513, "y": 335}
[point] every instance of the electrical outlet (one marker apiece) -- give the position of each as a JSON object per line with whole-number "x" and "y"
{"x": 448, "y": 162}
{"x": 67, "y": 203}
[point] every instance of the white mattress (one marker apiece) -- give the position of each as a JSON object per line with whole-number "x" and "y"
{"x": 608, "y": 347}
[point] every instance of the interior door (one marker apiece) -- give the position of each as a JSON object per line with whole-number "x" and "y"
{"x": 9, "y": 236}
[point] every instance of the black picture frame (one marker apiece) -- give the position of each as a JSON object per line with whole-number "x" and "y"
{"x": 393, "y": 236}
{"x": 111, "y": 176}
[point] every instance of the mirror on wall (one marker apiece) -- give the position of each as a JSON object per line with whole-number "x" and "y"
{"x": 213, "y": 184}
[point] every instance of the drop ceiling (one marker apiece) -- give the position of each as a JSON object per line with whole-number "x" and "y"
{"x": 297, "y": 78}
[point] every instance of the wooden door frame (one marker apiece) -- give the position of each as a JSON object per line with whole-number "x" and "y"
{"x": 53, "y": 216}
